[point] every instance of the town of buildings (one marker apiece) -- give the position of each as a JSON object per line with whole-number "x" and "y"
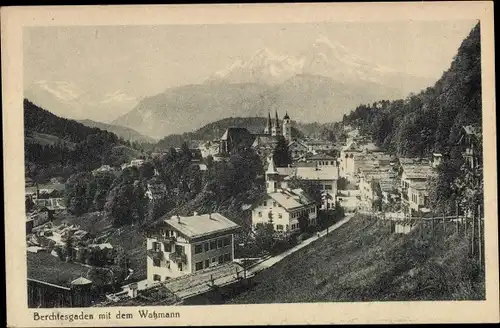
{"x": 188, "y": 254}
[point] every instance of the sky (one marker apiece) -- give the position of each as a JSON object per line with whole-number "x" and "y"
{"x": 139, "y": 61}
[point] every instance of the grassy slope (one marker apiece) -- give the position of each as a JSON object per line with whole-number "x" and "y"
{"x": 363, "y": 261}
{"x": 45, "y": 267}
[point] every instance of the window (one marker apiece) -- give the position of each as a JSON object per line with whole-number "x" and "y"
{"x": 179, "y": 266}
{"x": 198, "y": 266}
{"x": 156, "y": 262}
{"x": 156, "y": 277}
{"x": 214, "y": 259}
{"x": 260, "y": 214}
{"x": 198, "y": 248}
{"x": 213, "y": 244}
{"x": 227, "y": 241}
{"x": 328, "y": 187}
{"x": 219, "y": 243}
{"x": 207, "y": 263}
{"x": 274, "y": 204}
{"x": 221, "y": 259}
{"x": 280, "y": 215}
{"x": 287, "y": 226}
{"x": 156, "y": 246}
{"x": 279, "y": 227}
{"x": 227, "y": 257}
{"x": 207, "y": 246}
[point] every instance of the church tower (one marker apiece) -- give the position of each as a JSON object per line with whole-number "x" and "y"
{"x": 276, "y": 130}
{"x": 268, "y": 128}
{"x": 271, "y": 177}
{"x": 287, "y": 128}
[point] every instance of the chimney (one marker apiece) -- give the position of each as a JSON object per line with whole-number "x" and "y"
{"x": 178, "y": 218}
{"x": 133, "y": 290}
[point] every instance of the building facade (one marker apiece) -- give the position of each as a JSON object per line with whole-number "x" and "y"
{"x": 283, "y": 206}
{"x": 183, "y": 245}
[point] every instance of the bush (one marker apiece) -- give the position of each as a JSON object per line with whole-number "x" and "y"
{"x": 303, "y": 236}
{"x": 249, "y": 250}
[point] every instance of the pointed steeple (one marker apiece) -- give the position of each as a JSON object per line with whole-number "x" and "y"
{"x": 271, "y": 168}
{"x": 269, "y": 125}
{"x": 286, "y": 116}
{"x": 271, "y": 176}
{"x": 277, "y": 120}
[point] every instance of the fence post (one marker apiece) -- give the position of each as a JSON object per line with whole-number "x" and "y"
{"x": 473, "y": 232}
{"x": 479, "y": 236}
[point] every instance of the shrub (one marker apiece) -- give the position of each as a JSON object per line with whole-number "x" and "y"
{"x": 303, "y": 236}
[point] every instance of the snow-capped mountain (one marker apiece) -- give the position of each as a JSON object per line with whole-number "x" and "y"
{"x": 264, "y": 67}
{"x": 325, "y": 58}
{"x": 69, "y": 100}
{"x": 321, "y": 83}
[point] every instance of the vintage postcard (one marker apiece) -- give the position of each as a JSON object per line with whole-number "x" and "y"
{"x": 250, "y": 164}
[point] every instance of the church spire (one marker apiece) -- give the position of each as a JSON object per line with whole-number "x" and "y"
{"x": 277, "y": 120}
{"x": 269, "y": 126}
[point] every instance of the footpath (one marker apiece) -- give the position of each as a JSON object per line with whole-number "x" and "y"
{"x": 275, "y": 259}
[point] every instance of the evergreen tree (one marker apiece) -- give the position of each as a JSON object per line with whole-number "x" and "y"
{"x": 281, "y": 153}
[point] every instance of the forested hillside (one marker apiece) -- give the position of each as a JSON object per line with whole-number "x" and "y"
{"x": 431, "y": 120}
{"x": 56, "y": 146}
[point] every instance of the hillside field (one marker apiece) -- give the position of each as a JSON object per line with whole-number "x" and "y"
{"x": 364, "y": 261}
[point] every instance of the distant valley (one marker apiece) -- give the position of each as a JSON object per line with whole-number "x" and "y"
{"x": 120, "y": 131}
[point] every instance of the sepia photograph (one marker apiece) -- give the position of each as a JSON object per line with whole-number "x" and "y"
{"x": 206, "y": 165}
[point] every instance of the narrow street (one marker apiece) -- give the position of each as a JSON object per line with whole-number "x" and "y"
{"x": 275, "y": 259}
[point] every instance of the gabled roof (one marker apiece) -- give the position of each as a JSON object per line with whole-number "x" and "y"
{"x": 201, "y": 225}
{"x": 298, "y": 143}
{"x": 264, "y": 141}
{"x": 418, "y": 171}
{"x": 291, "y": 199}
{"x": 419, "y": 185}
{"x": 81, "y": 281}
{"x": 238, "y": 136}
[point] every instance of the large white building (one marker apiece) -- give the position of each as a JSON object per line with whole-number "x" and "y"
{"x": 283, "y": 206}
{"x": 182, "y": 245}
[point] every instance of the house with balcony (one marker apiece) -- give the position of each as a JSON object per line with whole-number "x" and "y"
{"x": 283, "y": 206}
{"x": 182, "y": 245}
{"x": 415, "y": 174}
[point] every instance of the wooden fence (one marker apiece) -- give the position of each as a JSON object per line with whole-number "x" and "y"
{"x": 470, "y": 227}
